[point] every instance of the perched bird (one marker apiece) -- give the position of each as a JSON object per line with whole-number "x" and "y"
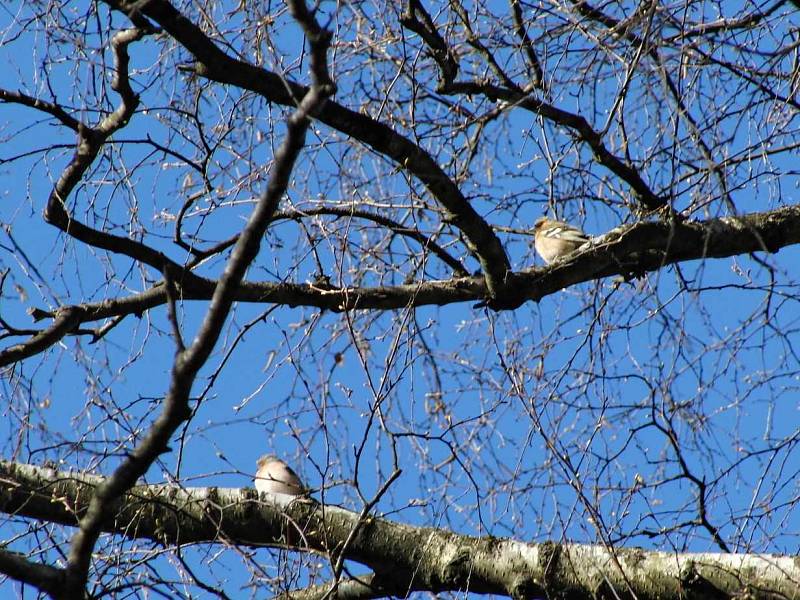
{"x": 554, "y": 239}
{"x": 276, "y": 477}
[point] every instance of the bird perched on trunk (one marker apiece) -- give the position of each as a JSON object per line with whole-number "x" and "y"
{"x": 276, "y": 477}
{"x": 555, "y": 239}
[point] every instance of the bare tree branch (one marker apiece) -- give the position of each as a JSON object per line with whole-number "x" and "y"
{"x": 48, "y": 107}
{"x": 632, "y": 249}
{"x": 212, "y": 63}
{"x": 441, "y": 561}
{"x": 44, "y": 577}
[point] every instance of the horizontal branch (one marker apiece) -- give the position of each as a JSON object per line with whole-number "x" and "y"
{"x": 428, "y": 559}
{"x": 631, "y": 249}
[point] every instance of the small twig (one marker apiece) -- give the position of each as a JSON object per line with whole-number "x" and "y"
{"x": 341, "y": 552}
{"x": 100, "y": 332}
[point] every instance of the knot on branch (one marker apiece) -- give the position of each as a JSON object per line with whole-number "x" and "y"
{"x": 524, "y": 587}
{"x": 693, "y": 581}
{"x": 456, "y": 570}
{"x": 510, "y": 295}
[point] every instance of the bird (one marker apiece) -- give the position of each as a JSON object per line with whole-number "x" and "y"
{"x": 555, "y": 239}
{"x": 276, "y": 477}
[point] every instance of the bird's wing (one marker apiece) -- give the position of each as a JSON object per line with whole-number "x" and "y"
{"x": 567, "y": 232}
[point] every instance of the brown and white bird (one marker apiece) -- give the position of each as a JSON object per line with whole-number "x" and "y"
{"x": 555, "y": 239}
{"x": 276, "y": 477}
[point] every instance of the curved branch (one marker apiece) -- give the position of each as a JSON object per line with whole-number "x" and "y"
{"x": 212, "y": 63}
{"x": 513, "y": 94}
{"x": 50, "y": 108}
{"x": 644, "y": 195}
{"x": 395, "y": 226}
{"x": 391, "y": 224}
{"x": 66, "y": 321}
{"x": 44, "y": 577}
{"x": 417, "y": 19}
{"x": 90, "y": 142}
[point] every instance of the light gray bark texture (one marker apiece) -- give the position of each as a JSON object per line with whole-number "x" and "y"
{"x": 403, "y": 558}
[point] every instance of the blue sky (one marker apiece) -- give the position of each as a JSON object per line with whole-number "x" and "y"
{"x": 469, "y": 400}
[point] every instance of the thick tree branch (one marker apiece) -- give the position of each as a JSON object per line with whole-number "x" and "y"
{"x": 403, "y": 558}
{"x": 44, "y": 577}
{"x": 632, "y": 249}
